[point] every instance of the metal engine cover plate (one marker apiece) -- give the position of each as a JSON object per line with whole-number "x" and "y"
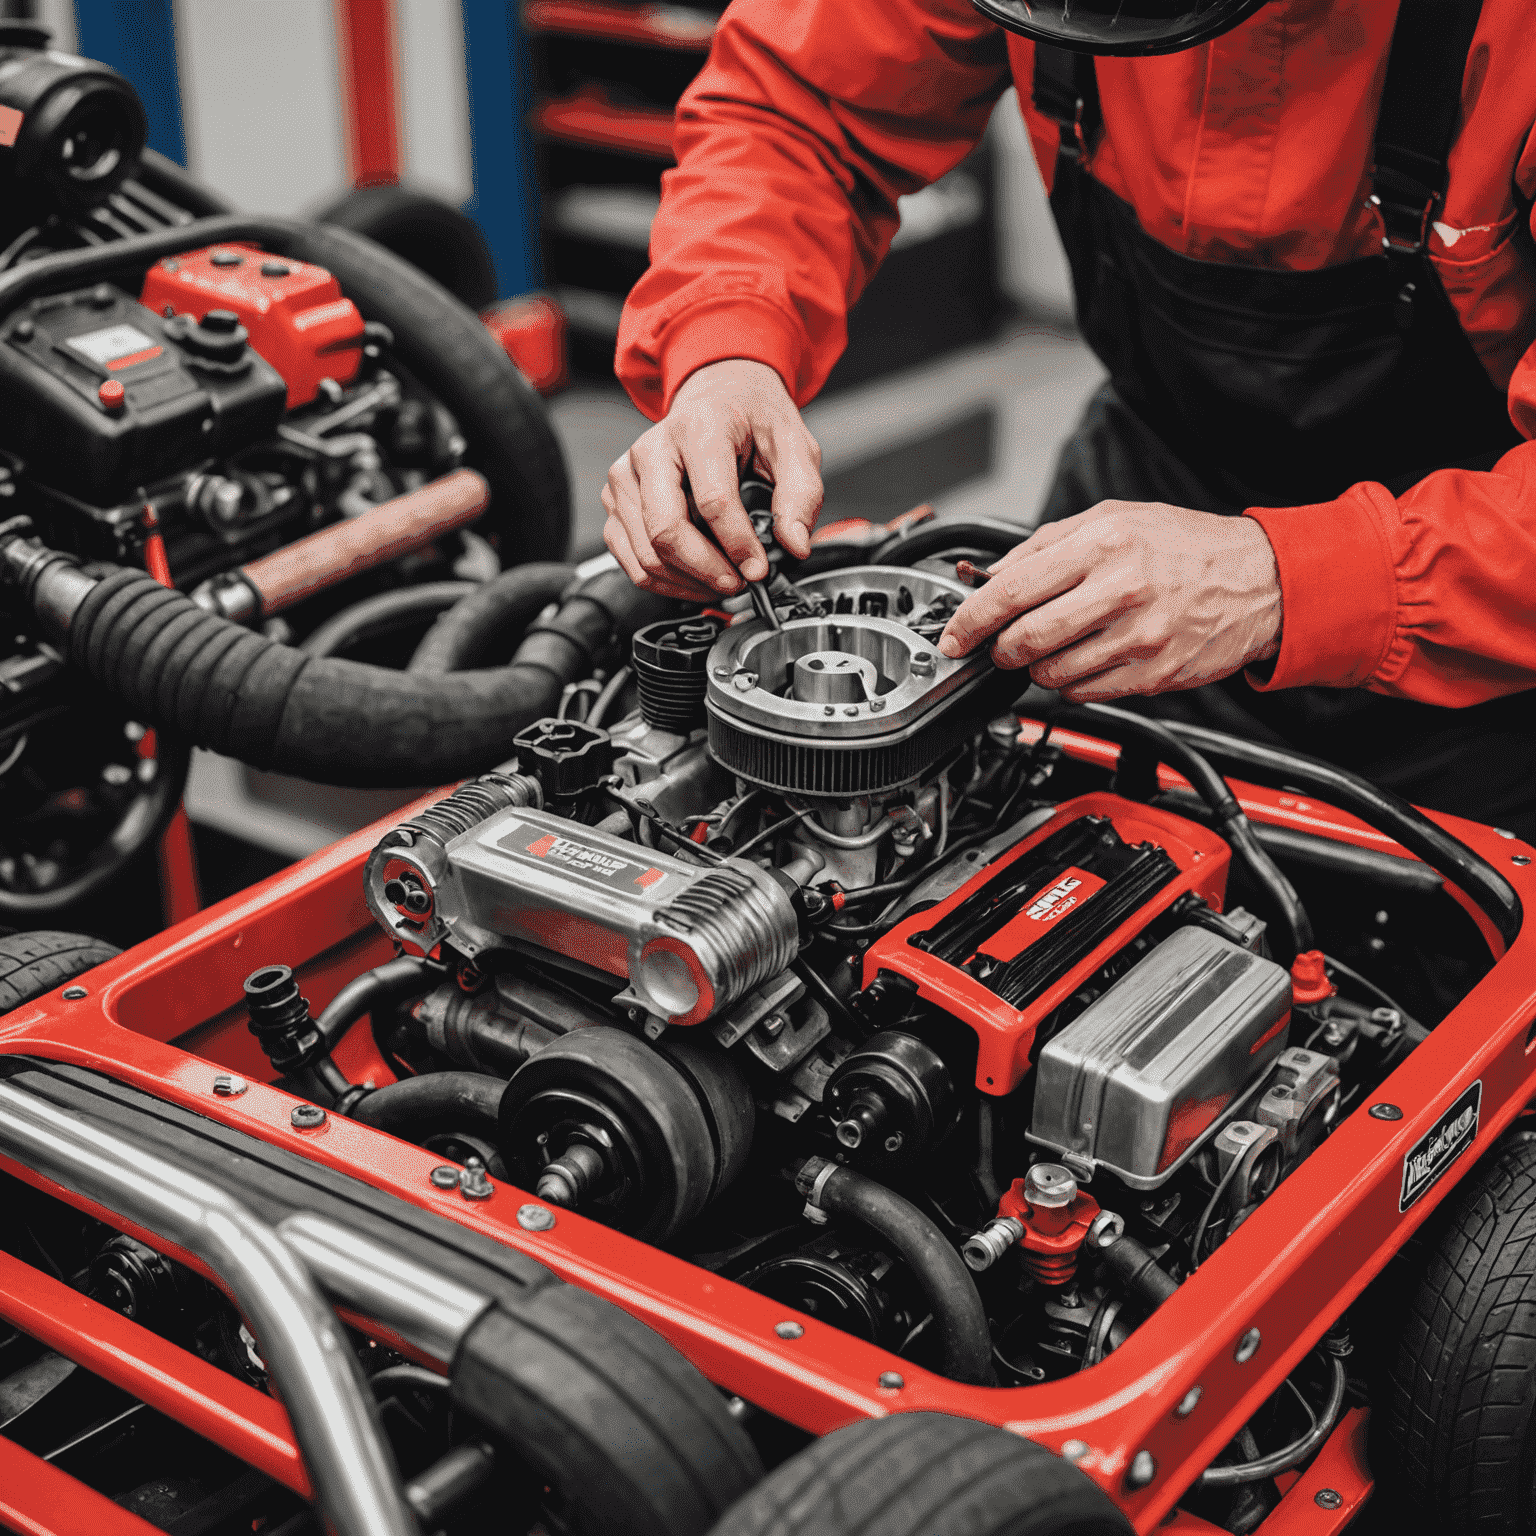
{"x": 1148, "y": 1070}
{"x": 691, "y": 939}
{"x": 852, "y": 702}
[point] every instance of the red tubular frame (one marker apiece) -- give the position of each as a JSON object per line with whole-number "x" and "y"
{"x": 37, "y": 1499}
{"x": 1289, "y": 1271}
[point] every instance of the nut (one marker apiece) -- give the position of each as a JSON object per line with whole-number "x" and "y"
{"x": 307, "y": 1117}
{"x": 892, "y": 1381}
{"x": 535, "y": 1218}
{"x": 228, "y": 1086}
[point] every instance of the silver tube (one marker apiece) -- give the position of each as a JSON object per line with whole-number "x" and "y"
{"x": 422, "y": 1307}
{"x": 356, "y": 1483}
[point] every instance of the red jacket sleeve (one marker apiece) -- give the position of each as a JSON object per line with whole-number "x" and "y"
{"x": 807, "y": 123}
{"x": 1430, "y": 596}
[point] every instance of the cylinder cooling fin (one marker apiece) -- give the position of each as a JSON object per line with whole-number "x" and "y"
{"x": 851, "y": 696}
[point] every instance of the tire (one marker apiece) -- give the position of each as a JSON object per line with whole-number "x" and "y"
{"x": 925, "y": 1474}
{"x": 627, "y": 1434}
{"x": 32, "y": 964}
{"x": 1454, "y": 1433}
{"x": 427, "y": 232}
{"x": 511, "y": 441}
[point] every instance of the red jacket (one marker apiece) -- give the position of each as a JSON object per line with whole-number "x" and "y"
{"x": 813, "y": 116}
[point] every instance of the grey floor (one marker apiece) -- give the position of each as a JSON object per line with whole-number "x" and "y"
{"x": 976, "y": 433}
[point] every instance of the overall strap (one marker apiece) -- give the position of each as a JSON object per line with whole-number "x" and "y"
{"x": 1066, "y": 90}
{"x": 1420, "y": 108}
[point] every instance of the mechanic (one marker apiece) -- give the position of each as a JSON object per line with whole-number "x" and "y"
{"x": 1298, "y": 237}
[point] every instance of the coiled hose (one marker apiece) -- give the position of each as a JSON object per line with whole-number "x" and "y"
{"x": 321, "y": 718}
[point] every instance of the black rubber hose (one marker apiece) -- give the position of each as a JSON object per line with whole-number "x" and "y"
{"x": 384, "y": 614}
{"x": 374, "y": 991}
{"x": 322, "y": 718}
{"x": 1138, "y": 1271}
{"x": 1233, "y": 825}
{"x": 478, "y": 1032}
{"x": 437, "y": 1101}
{"x": 910, "y": 545}
{"x": 466, "y": 635}
{"x": 1280, "y": 767}
{"x": 950, "y": 1288}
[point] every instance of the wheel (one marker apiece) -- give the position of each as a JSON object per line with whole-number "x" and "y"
{"x": 621, "y": 1430}
{"x": 1454, "y": 1432}
{"x": 427, "y": 232}
{"x": 32, "y": 964}
{"x": 925, "y": 1474}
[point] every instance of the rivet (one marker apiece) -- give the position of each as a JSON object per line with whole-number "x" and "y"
{"x": 306, "y": 1117}
{"x": 789, "y": 1330}
{"x": 74, "y": 994}
{"x": 1142, "y": 1470}
{"x": 1500, "y": 830}
{"x": 1384, "y": 1112}
{"x": 445, "y": 1177}
{"x": 892, "y": 1381}
{"x": 1074, "y": 1450}
{"x": 1520, "y": 858}
{"x": 1189, "y": 1402}
{"x": 227, "y": 1086}
{"x": 535, "y": 1218}
{"x": 1328, "y": 1498}
{"x": 1248, "y": 1346}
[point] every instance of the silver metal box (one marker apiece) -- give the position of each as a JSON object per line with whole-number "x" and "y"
{"x": 1148, "y": 1070}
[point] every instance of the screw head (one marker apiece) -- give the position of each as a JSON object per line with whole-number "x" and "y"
{"x": 789, "y": 1330}
{"x": 535, "y": 1218}
{"x": 475, "y": 1183}
{"x": 306, "y": 1117}
{"x": 892, "y": 1381}
{"x": 1189, "y": 1402}
{"x": 1142, "y": 1470}
{"x": 923, "y": 664}
{"x": 1074, "y": 1450}
{"x": 444, "y": 1177}
{"x": 1248, "y": 1346}
{"x": 74, "y": 994}
{"x": 744, "y": 682}
{"x": 228, "y": 1086}
{"x": 1328, "y": 1498}
{"x": 1385, "y": 1112}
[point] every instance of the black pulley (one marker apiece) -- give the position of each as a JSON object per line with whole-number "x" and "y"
{"x": 671, "y": 666}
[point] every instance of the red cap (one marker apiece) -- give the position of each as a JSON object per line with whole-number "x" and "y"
{"x": 1309, "y": 979}
{"x": 112, "y": 394}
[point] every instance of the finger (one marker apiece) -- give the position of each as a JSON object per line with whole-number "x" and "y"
{"x": 682, "y": 551}
{"x": 1086, "y": 609}
{"x": 1032, "y": 541}
{"x": 794, "y": 457}
{"x": 1121, "y": 647}
{"x": 1025, "y": 584}
{"x": 709, "y": 457}
{"x": 664, "y": 586}
{"x": 1115, "y": 683}
{"x": 622, "y": 499}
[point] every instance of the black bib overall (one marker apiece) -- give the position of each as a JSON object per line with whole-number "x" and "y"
{"x": 1233, "y": 387}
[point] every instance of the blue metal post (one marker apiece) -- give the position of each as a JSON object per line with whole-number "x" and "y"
{"x": 138, "y": 39}
{"x": 506, "y": 199}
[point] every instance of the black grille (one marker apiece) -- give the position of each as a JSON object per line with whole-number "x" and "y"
{"x": 816, "y": 768}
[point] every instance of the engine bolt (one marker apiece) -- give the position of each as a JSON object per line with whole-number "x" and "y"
{"x": 1328, "y": 1498}
{"x": 475, "y": 1182}
{"x": 744, "y": 682}
{"x": 73, "y": 994}
{"x": 1074, "y": 1450}
{"x": 876, "y": 705}
{"x": 1189, "y": 1402}
{"x": 721, "y": 674}
{"x": 1049, "y": 1185}
{"x": 1142, "y": 1470}
{"x": 789, "y": 1330}
{"x": 892, "y": 1381}
{"x": 227, "y": 1086}
{"x": 1247, "y": 1346}
{"x": 444, "y": 1177}
{"x": 535, "y": 1218}
{"x": 923, "y": 664}
{"x": 307, "y": 1117}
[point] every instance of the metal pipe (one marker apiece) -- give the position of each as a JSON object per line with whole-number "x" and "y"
{"x": 426, "y": 1309}
{"x": 307, "y": 1353}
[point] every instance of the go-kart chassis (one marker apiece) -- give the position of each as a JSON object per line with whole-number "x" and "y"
{"x": 164, "y": 1018}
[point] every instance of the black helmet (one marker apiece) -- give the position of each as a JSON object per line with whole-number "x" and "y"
{"x": 1119, "y": 26}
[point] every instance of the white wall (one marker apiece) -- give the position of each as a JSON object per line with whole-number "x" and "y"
{"x": 435, "y": 91}
{"x": 1032, "y": 266}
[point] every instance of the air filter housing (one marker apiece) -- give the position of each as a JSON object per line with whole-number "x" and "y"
{"x": 853, "y": 699}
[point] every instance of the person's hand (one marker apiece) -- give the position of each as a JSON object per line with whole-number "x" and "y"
{"x": 1127, "y": 598}
{"x": 716, "y": 414}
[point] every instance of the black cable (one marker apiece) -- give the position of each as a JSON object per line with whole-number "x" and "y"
{"x": 832, "y": 1002}
{"x": 1210, "y": 1207}
{"x": 1287, "y": 1456}
{"x": 1410, "y": 1024}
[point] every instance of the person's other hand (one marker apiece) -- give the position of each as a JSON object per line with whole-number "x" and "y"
{"x": 696, "y": 448}
{"x": 1128, "y": 598}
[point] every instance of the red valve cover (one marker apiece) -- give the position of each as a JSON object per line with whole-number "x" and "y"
{"x": 1024, "y": 933}
{"x": 298, "y": 320}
